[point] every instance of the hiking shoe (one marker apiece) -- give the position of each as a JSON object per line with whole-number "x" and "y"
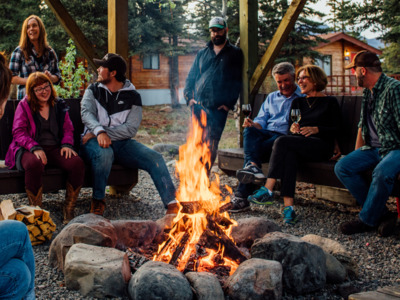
{"x": 251, "y": 174}
{"x": 388, "y": 224}
{"x": 239, "y": 204}
{"x": 262, "y": 196}
{"x": 355, "y": 226}
{"x": 97, "y": 207}
{"x": 289, "y": 215}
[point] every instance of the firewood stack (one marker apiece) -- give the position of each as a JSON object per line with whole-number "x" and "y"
{"x": 37, "y": 220}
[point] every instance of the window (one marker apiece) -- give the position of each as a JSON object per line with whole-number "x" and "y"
{"x": 151, "y": 62}
{"x": 325, "y": 64}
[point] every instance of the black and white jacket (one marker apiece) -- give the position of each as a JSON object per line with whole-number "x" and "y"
{"x": 119, "y": 114}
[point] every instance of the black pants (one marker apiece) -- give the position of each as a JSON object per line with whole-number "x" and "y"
{"x": 290, "y": 150}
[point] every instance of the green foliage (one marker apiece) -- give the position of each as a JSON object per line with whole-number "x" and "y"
{"x": 74, "y": 77}
{"x": 391, "y": 59}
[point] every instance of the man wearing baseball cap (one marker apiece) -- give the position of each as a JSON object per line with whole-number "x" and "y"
{"x": 111, "y": 111}
{"x": 214, "y": 82}
{"x": 377, "y": 148}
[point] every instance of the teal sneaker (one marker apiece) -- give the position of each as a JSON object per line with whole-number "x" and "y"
{"x": 289, "y": 215}
{"x": 262, "y": 196}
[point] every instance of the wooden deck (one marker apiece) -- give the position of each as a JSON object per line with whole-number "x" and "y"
{"x": 386, "y": 293}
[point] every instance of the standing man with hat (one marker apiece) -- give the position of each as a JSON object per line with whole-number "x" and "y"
{"x": 377, "y": 147}
{"x": 111, "y": 111}
{"x": 214, "y": 82}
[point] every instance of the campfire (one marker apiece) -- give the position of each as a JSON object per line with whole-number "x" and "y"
{"x": 200, "y": 237}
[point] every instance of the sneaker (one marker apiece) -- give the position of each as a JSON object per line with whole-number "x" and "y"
{"x": 262, "y": 196}
{"x": 251, "y": 174}
{"x": 239, "y": 204}
{"x": 289, "y": 215}
{"x": 387, "y": 224}
{"x": 355, "y": 226}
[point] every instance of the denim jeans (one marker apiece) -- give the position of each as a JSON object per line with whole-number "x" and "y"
{"x": 130, "y": 154}
{"x": 17, "y": 264}
{"x": 257, "y": 144}
{"x": 372, "y": 197}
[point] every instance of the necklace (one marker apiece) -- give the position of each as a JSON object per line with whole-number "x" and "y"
{"x": 310, "y": 105}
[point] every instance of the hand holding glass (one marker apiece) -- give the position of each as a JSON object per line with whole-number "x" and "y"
{"x": 295, "y": 115}
{"x": 246, "y": 110}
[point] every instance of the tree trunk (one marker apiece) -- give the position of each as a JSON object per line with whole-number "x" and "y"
{"x": 174, "y": 75}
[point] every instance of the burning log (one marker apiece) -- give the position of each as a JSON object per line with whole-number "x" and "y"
{"x": 136, "y": 260}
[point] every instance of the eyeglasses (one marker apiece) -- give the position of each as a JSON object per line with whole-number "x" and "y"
{"x": 42, "y": 89}
{"x": 302, "y": 78}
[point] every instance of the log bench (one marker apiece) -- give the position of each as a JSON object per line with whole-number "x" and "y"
{"x": 121, "y": 179}
{"x": 321, "y": 173}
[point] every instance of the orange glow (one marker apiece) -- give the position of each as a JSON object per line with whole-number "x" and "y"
{"x": 204, "y": 198}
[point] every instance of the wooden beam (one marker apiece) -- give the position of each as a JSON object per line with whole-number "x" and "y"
{"x": 73, "y": 30}
{"x": 118, "y": 27}
{"x": 275, "y": 46}
{"x": 248, "y": 10}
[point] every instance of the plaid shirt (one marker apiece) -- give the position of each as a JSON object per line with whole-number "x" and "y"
{"x": 385, "y": 110}
{"x": 22, "y": 68}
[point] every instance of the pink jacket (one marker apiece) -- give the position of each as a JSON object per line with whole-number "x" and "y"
{"x": 24, "y": 129}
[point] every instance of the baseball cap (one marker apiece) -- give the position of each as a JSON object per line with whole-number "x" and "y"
{"x": 217, "y": 22}
{"x": 364, "y": 59}
{"x": 113, "y": 62}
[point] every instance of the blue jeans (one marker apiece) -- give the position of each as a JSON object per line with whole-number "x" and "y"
{"x": 372, "y": 197}
{"x": 130, "y": 154}
{"x": 257, "y": 144}
{"x": 17, "y": 264}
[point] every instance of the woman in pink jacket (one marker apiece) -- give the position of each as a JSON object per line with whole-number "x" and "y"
{"x": 43, "y": 136}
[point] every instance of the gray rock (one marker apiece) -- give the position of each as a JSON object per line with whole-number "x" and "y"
{"x": 250, "y": 229}
{"x": 335, "y": 271}
{"x": 255, "y": 279}
{"x": 134, "y": 234}
{"x": 171, "y": 149}
{"x": 72, "y": 234}
{"x": 205, "y": 286}
{"x": 161, "y": 281}
{"x": 97, "y": 271}
{"x": 336, "y": 249}
{"x": 304, "y": 264}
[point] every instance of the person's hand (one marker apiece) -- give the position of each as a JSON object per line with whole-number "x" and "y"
{"x": 192, "y": 102}
{"x": 52, "y": 77}
{"x": 224, "y": 107}
{"x": 67, "y": 152}
{"x": 41, "y": 155}
{"x": 308, "y": 130}
{"x": 87, "y": 137}
{"x": 336, "y": 152}
{"x": 248, "y": 122}
{"x": 104, "y": 140}
{"x": 295, "y": 128}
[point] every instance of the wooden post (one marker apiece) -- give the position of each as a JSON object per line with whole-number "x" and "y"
{"x": 73, "y": 30}
{"x": 275, "y": 46}
{"x": 118, "y": 27}
{"x": 248, "y": 10}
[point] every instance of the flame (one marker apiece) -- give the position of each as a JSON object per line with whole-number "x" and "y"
{"x": 205, "y": 197}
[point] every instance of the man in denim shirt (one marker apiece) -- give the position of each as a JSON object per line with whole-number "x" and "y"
{"x": 259, "y": 135}
{"x": 377, "y": 147}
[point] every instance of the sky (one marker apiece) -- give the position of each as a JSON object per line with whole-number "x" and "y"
{"x": 323, "y": 7}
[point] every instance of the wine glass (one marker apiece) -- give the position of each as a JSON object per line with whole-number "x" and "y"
{"x": 246, "y": 110}
{"x": 295, "y": 115}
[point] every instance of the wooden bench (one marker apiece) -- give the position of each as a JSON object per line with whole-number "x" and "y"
{"x": 121, "y": 179}
{"x": 322, "y": 173}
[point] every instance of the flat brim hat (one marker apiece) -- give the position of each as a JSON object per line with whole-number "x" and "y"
{"x": 113, "y": 62}
{"x": 217, "y": 22}
{"x": 364, "y": 59}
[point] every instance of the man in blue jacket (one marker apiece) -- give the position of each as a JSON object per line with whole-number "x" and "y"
{"x": 111, "y": 111}
{"x": 214, "y": 82}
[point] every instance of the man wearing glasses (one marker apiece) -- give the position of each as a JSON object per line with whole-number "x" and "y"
{"x": 214, "y": 82}
{"x": 377, "y": 147}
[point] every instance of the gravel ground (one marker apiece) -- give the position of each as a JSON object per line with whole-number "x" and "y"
{"x": 378, "y": 258}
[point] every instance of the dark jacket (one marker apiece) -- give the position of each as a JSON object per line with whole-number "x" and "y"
{"x": 215, "y": 80}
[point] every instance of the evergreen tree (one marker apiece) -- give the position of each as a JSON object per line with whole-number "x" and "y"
{"x": 391, "y": 59}
{"x": 337, "y": 6}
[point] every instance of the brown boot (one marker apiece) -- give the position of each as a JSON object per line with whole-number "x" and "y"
{"x": 71, "y": 196}
{"x": 35, "y": 200}
{"x": 97, "y": 207}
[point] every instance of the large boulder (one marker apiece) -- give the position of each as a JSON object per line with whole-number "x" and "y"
{"x": 205, "y": 286}
{"x": 255, "y": 279}
{"x": 250, "y": 229}
{"x": 335, "y": 271}
{"x": 304, "y": 264}
{"x": 97, "y": 271}
{"x": 336, "y": 249}
{"x": 158, "y": 280}
{"x": 134, "y": 234}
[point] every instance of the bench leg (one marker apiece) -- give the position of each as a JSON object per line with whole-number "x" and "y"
{"x": 398, "y": 207}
